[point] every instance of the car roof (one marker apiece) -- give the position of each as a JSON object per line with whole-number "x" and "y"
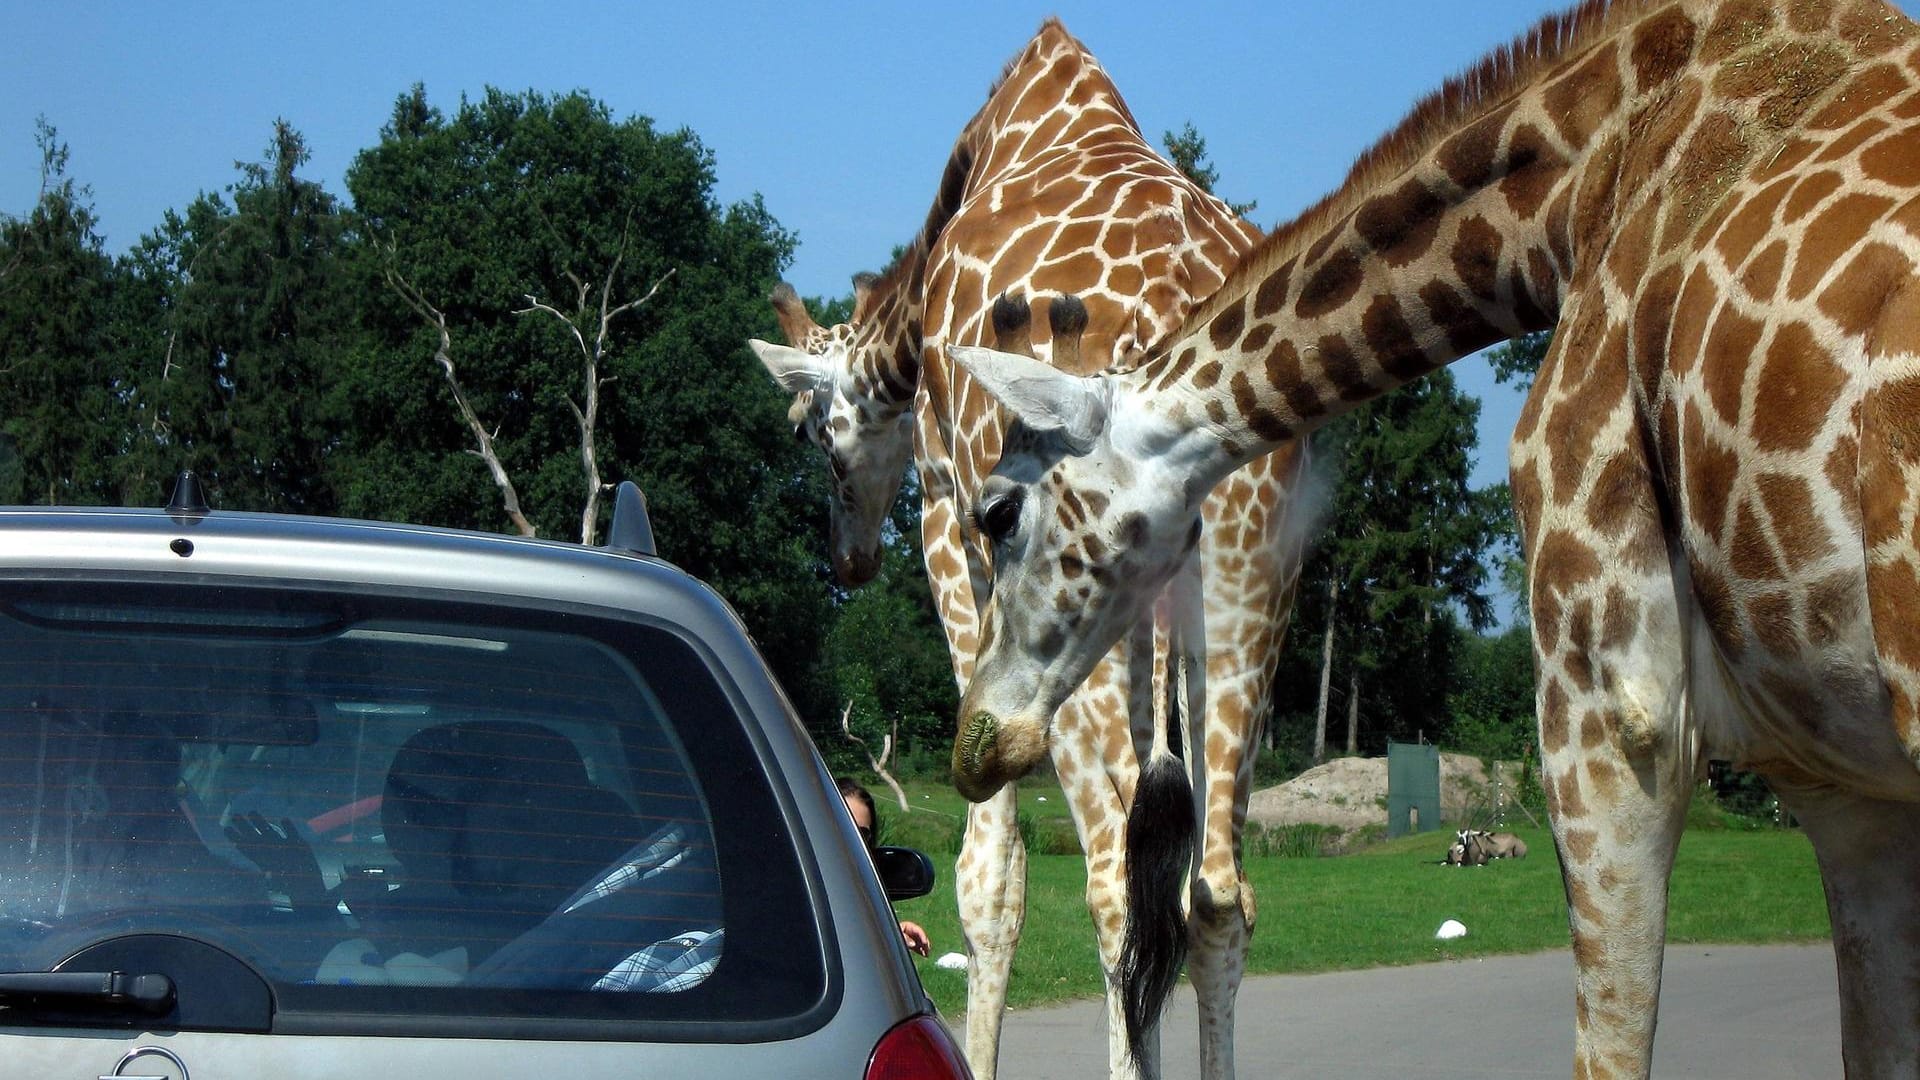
{"x": 315, "y": 549}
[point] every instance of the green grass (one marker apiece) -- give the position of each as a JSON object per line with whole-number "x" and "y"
{"x": 1382, "y": 905}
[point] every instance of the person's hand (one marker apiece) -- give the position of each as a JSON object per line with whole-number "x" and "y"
{"x": 916, "y": 938}
{"x": 282, "y": 856}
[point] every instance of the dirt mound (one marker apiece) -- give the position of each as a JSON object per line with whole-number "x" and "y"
{"x": 1351, "y": 793}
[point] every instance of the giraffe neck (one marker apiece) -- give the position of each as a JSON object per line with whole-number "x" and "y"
{"x": 1485, "y": 211}
{"x": 992, "y": 142}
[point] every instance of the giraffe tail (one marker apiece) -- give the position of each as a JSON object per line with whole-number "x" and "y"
{"x": 1160, "y": 842}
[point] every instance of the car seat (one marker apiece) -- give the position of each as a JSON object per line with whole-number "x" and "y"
{"x": 493, "y": 823}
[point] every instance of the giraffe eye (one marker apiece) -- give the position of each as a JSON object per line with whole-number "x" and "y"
{"x": 999, "y": 517}
{"x": 800, "y": 433}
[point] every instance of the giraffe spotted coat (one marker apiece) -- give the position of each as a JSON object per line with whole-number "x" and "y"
{"x": 1052, "y": 189}
{"x": 1717, "y": 207}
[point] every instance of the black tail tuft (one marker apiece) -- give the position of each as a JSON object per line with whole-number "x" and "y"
{"x": 1160, "y": 831}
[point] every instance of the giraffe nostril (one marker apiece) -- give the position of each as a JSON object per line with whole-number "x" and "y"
{"x": 976, "y": 741}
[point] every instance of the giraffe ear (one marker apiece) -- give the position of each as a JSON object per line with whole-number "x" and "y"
{"x": 794, "y": 370}
{"x": 1044, "y": 398}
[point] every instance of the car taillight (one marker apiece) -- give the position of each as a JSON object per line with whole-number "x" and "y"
{"x": 917, "y": 1049}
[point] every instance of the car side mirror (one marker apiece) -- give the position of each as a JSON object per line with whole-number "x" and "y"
{"x": 905, "y": 874}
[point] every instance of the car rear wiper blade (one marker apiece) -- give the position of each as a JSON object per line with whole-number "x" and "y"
{"x": 111, "y": 989}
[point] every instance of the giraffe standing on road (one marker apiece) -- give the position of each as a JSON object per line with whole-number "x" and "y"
{"x": 1717, "y": 472}
{"x": 1051, "y": 189}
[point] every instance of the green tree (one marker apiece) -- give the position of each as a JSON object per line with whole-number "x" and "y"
{"x": 1397, "y": 569}
{"x": 475, "y": 224}
{"x": 1518, "y": 360}
{"x": 1490, "y": 702}
{"x": 886, "y": 660}
{"x": 65, "y": 402}
{"x": 1187, "y": 149}
{"x": 239, "y": 316}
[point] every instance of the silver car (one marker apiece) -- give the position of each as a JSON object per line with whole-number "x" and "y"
{"x": 311, "y": 798}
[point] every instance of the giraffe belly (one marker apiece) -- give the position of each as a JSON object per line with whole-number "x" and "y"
{"x": 1805, "y": 715}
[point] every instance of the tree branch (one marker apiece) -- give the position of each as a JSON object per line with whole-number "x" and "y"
{"x": 587, "y": 416}
{"x": 443, "y": 355}
{"x": 877, "y": 764}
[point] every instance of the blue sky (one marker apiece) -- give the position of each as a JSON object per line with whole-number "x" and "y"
{"x": 840, "y": 116}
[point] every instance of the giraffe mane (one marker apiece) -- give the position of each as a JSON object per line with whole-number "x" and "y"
{"x": 1462, "y": 99}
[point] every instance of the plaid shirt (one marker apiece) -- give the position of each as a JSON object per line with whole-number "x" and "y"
{"x": 678, "y": 963}
{"x": 665, "y": 967}
{"x": 662, "y": 852}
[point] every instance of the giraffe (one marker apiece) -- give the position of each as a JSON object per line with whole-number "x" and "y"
{"x": 1717, "y": 472}
{"x": 1052, "y": 189}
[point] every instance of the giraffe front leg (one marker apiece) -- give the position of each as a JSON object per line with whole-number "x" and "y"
{"x": 991, "y": 880}
{"x": 1872, "y": 877}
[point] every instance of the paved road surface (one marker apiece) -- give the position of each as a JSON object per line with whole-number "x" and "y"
{"x": 1739, "y": 1012}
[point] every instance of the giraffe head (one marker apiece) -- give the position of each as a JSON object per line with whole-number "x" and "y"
{"x": 858, "y": 419}
{"x": 1092, "y": 508}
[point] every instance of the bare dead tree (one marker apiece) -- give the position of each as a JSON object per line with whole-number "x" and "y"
{"x": 586, "y": 413}
{"x": 877, "y": 764}
{"x": 443, "y": 355}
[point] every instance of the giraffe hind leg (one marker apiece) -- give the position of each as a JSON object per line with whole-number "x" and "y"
{"x": 1872, "y": 876}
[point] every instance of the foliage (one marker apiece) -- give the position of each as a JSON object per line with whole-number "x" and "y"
{"x": 236, "y": 371}
{"x": 518, "y": 198}
{"x": 1304, "y": 840}
{"x": 66, "y": 409}
{"x": 887, "y": 658}
{"x": 1490, "y": 702}
{"x": 1281, "y": 763}
{"x": 1187, "y": 150}
{"x": 1518, "y": 360}
{"x": 1734, "y": 799}
{"x": 1397, "y": 568}
{"x": 256, "y": 336}
{"x": 1045, "y": 835}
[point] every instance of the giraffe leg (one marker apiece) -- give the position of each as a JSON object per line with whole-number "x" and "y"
{"x": 1222, "y": 909}
{"x": 1221, "y": 924}
{"x": 1090, "y": 783}
{"x": 1618, "y": 777}
{"x": 991, "y": 879}
{"x": 1872, "y": 878}
{"x": 1618, "y": 753}
{"x": 1617, "y": 645}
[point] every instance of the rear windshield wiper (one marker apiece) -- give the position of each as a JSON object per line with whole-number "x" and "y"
{"x": 107, "y": 989}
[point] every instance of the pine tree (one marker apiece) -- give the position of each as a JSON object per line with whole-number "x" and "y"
{"x": 64, "y": 403}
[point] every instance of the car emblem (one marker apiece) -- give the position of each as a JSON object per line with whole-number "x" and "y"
{"x": 119, "y": 1071}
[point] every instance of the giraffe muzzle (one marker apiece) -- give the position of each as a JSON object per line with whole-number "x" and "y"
{"x": 974, "y": 749}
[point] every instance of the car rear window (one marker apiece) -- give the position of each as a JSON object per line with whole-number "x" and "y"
{"x": 397, "y": 813}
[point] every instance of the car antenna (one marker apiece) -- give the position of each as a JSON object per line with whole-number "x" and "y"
{"x": 631, "y": 530}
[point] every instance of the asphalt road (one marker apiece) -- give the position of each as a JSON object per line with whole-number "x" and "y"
{"x": 1739, "y": 1012}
